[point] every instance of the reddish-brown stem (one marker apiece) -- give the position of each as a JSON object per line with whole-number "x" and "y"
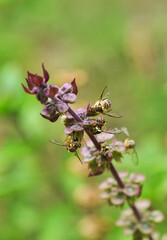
{"x": 112, "y": 169}
{"x": 136, "y": 212}
{"x": 116, "y": 176}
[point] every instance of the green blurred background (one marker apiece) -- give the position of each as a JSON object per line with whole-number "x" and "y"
{"x": 44, "y": 191}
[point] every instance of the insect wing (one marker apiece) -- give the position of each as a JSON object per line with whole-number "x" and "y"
{"x": 76, "y": 154}
{"x": 135, "y": 158}
{"x": 125, "y": 130}
{"x": 101, "y": 96}
{"x": 88, "y": 122}
{"x": 57, "y": 143}
{"x": 114, "y": 115}
{"x": 113, "y": 131}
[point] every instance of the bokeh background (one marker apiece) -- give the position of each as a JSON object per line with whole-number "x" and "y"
{"x": 44, "y": 191}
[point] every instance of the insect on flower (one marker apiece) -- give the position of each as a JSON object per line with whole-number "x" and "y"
{"x": 96, "y": 126}
{"x": 72, "y": 142}
{"x": 130, "y": 144}
{"x": 106, "y": 151}
{"x": 102, "y": 105}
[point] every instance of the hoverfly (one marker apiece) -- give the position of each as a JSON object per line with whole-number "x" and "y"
{"x": 102, "y": 105}
{"x": 93, "y": 125}
{"x": 106, "y": 151}
{"x": 126, "y": 146}
{"x": 72, "y": 142}
{"x": 130, "y": 144}
{"x": 96, "y": 126}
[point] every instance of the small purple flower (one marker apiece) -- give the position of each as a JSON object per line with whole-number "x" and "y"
{"x": 146, "y": 226}
{"x": 54, "y": 98}
{"x": 116, "y": 195}
{"x": 67, "y": 93}
{"x": 38, "y": 86}
{"x": 57, "y": 101}
{"x": 49, "y": 112}
{"x": 51, "y": 118}
{"x": 98, "y": 160}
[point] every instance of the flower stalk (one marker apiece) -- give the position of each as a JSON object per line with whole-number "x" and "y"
{"x": 140, "y": 218}
{"x": 112, "y": 169}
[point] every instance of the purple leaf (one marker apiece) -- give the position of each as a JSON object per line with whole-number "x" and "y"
{"x": 35, "y": 79}
{"x": 53, "y": 118}
{"x": 75, "y": 89}
{"x": 45, "y": 74}
{"x": 53, "y": 90}
{"x": 30, "y": 84}
{"x": 87, "y": 109}
{"x": 26, "y": 89}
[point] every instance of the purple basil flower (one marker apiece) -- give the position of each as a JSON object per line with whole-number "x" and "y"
{"x": 57, "y": 101}
{"x": 38, "y": 86}
{"x": 67, "y": 93}
{"x": 53, "y": 109}
{"x": 149, "y": 217}
{"x": 115, "y": 195}
{"x": 51, "y": 118}
{"x": 54, "y": 98}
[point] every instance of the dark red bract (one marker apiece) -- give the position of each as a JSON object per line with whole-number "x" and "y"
{"x": 38, "y": 86}
{"x": 54, "y": 98}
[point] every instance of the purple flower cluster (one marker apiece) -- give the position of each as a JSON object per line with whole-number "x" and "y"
{"x": 116, "y": 195}
{"x": 99, "y": 160}
{"x": 146, "y": 226}
{"x": 54, "y": 98}
{"x": 73, "y": 125}
{"x": 99, "y": 152}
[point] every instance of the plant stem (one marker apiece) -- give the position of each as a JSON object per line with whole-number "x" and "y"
{"x": 112, "y": 169}
{"x": 116, "y": 176}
